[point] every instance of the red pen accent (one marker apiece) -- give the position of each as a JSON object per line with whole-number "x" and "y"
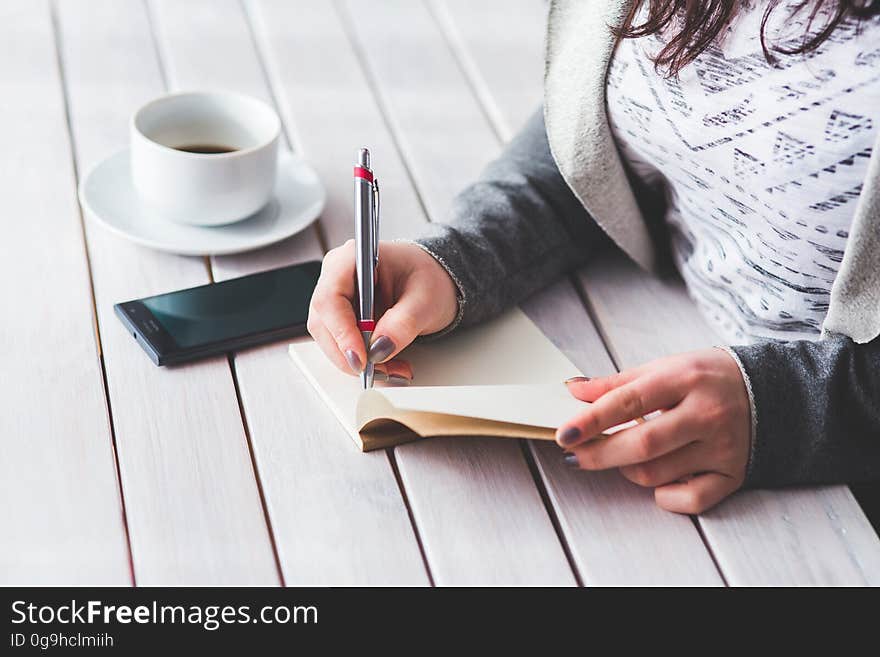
{"x": 360, "y": 172}
{"x": 366, "y": 325}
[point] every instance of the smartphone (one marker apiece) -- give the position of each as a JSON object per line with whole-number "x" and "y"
{"x": 222, "y": 317}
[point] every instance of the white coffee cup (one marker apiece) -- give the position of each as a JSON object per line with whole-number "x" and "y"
{"x": 204, "y": 189}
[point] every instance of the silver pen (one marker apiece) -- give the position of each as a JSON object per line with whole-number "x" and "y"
{"x": 366, "y": 239}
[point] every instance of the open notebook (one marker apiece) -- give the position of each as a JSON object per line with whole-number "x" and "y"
{"x": 503, "y": 378}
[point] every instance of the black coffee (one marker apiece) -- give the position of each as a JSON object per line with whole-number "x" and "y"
{"x": 205, "y": 148}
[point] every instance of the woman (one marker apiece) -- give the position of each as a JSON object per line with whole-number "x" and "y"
{"x": 736, "y": 139}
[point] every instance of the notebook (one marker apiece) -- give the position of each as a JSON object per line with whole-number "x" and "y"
{"x": 503, "y": 378}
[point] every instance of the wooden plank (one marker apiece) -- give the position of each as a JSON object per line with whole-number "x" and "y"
{"x": 413, "y": 76}
{"x": 194, "y": 509}
{"x": 822, "y": 536}
{"x": 498, "y": 43}
{"x": 810, "y": 536}
{"x": 60, "y": 505}
{"x": 325, "y": 533}
{"x": 446, "y": 140}
{"x": 807, "y": 537}
{"x": 326, "y": 101}
{"x": 322, "y": 87}
{"x": 615, "y": 533}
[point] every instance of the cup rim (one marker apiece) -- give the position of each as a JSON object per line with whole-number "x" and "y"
{"x": 276, "y": 131}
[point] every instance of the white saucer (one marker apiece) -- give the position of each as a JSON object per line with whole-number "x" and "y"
{"x": 108, "y": 197}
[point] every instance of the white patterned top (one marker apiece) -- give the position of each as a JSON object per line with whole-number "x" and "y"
{"x": 762, "y": 166}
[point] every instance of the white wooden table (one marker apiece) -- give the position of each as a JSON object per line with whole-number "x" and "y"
{"x": 231, "y": 471}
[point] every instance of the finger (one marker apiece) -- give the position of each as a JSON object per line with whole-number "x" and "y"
{"x": 641, "y": 443}
{"x": 328, "y": 346}
{"x": 589, "y": 390}
{"x": 396, "y": 368}
{"x": 331, "y": 309}
{"x": 336, "y": 314}
{"x": 697, "y": 494}
{"x": 670, "y": 467}
{"x": 395, "y": 372}
{"x": 397, "y": 327}
{"x": 632, "y": 400}
{"x": 392, "y": 380}
{"x": 338, "y": 269}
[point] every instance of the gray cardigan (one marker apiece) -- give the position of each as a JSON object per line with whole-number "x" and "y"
{"x": 558, "y": 194}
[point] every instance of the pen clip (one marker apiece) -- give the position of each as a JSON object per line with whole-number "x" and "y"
{"x": 376, "y": 201}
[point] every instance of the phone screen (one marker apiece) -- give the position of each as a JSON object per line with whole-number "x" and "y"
{"x": 224, "y": 313}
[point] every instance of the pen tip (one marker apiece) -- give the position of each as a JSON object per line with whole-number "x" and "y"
{"x": 364, "y": 157}
{"x": 367, "y": 377}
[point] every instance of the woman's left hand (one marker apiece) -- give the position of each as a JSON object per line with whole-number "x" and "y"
{"x": 694, "y": 453}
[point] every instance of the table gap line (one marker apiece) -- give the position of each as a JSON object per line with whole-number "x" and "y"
{"x": 708, "y": 544}
{"x": 288, "y": 132}
{"x": 158, "y": 48}
{"x": 541, "y": 485}
{"x": 385, "y": 113}
{"x": 207, "y": 262}
{"x": 345, "y": 20}
{"x": 591, "y": 313}
{"x": 250, "y": 447}
{"x": 609, "y": 349}
{"x": 118, "y": 472}
{"x": 56, "y": 34}
{"x": 584, "y": 295}
{"x": 289, "y": 135}
{"x": 56, "y": 41}
{"x": 468, "y": 72}
{"x": 162, "y": 64}
{"x": 460, "y": 57}
{"x": 468, "y": 68}
{"x": 392, "y": 461}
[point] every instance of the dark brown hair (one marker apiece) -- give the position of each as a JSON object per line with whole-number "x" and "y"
{"x": 696, "y": 24}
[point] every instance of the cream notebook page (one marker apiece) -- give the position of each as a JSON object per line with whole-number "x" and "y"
{"x": 504, "y": 374}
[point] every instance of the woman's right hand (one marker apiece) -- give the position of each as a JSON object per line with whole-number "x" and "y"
{"x": 418, "y": 297}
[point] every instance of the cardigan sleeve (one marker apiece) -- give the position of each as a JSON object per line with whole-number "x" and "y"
{"x": 815, "y": 405}
{"x": 817, "y": 411}
{"x": 513, "y": 231}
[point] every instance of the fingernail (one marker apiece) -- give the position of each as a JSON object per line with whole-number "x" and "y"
{"x": 381, "y": 349}
{"x": 569, "y": 436}
{"x": 354, "y": 361}
{"x": 393, "y": 379}
{"x": 571, "y": 460}
{"x": 577, "y": 379}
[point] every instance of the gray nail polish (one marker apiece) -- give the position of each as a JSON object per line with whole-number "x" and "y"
{"x": 571, "y": 460}
{"x": 381, "y": 349}
{"x": 392, "y": 380}
{"x": 354, "y": 361}
{"x": 570, "y": 436}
